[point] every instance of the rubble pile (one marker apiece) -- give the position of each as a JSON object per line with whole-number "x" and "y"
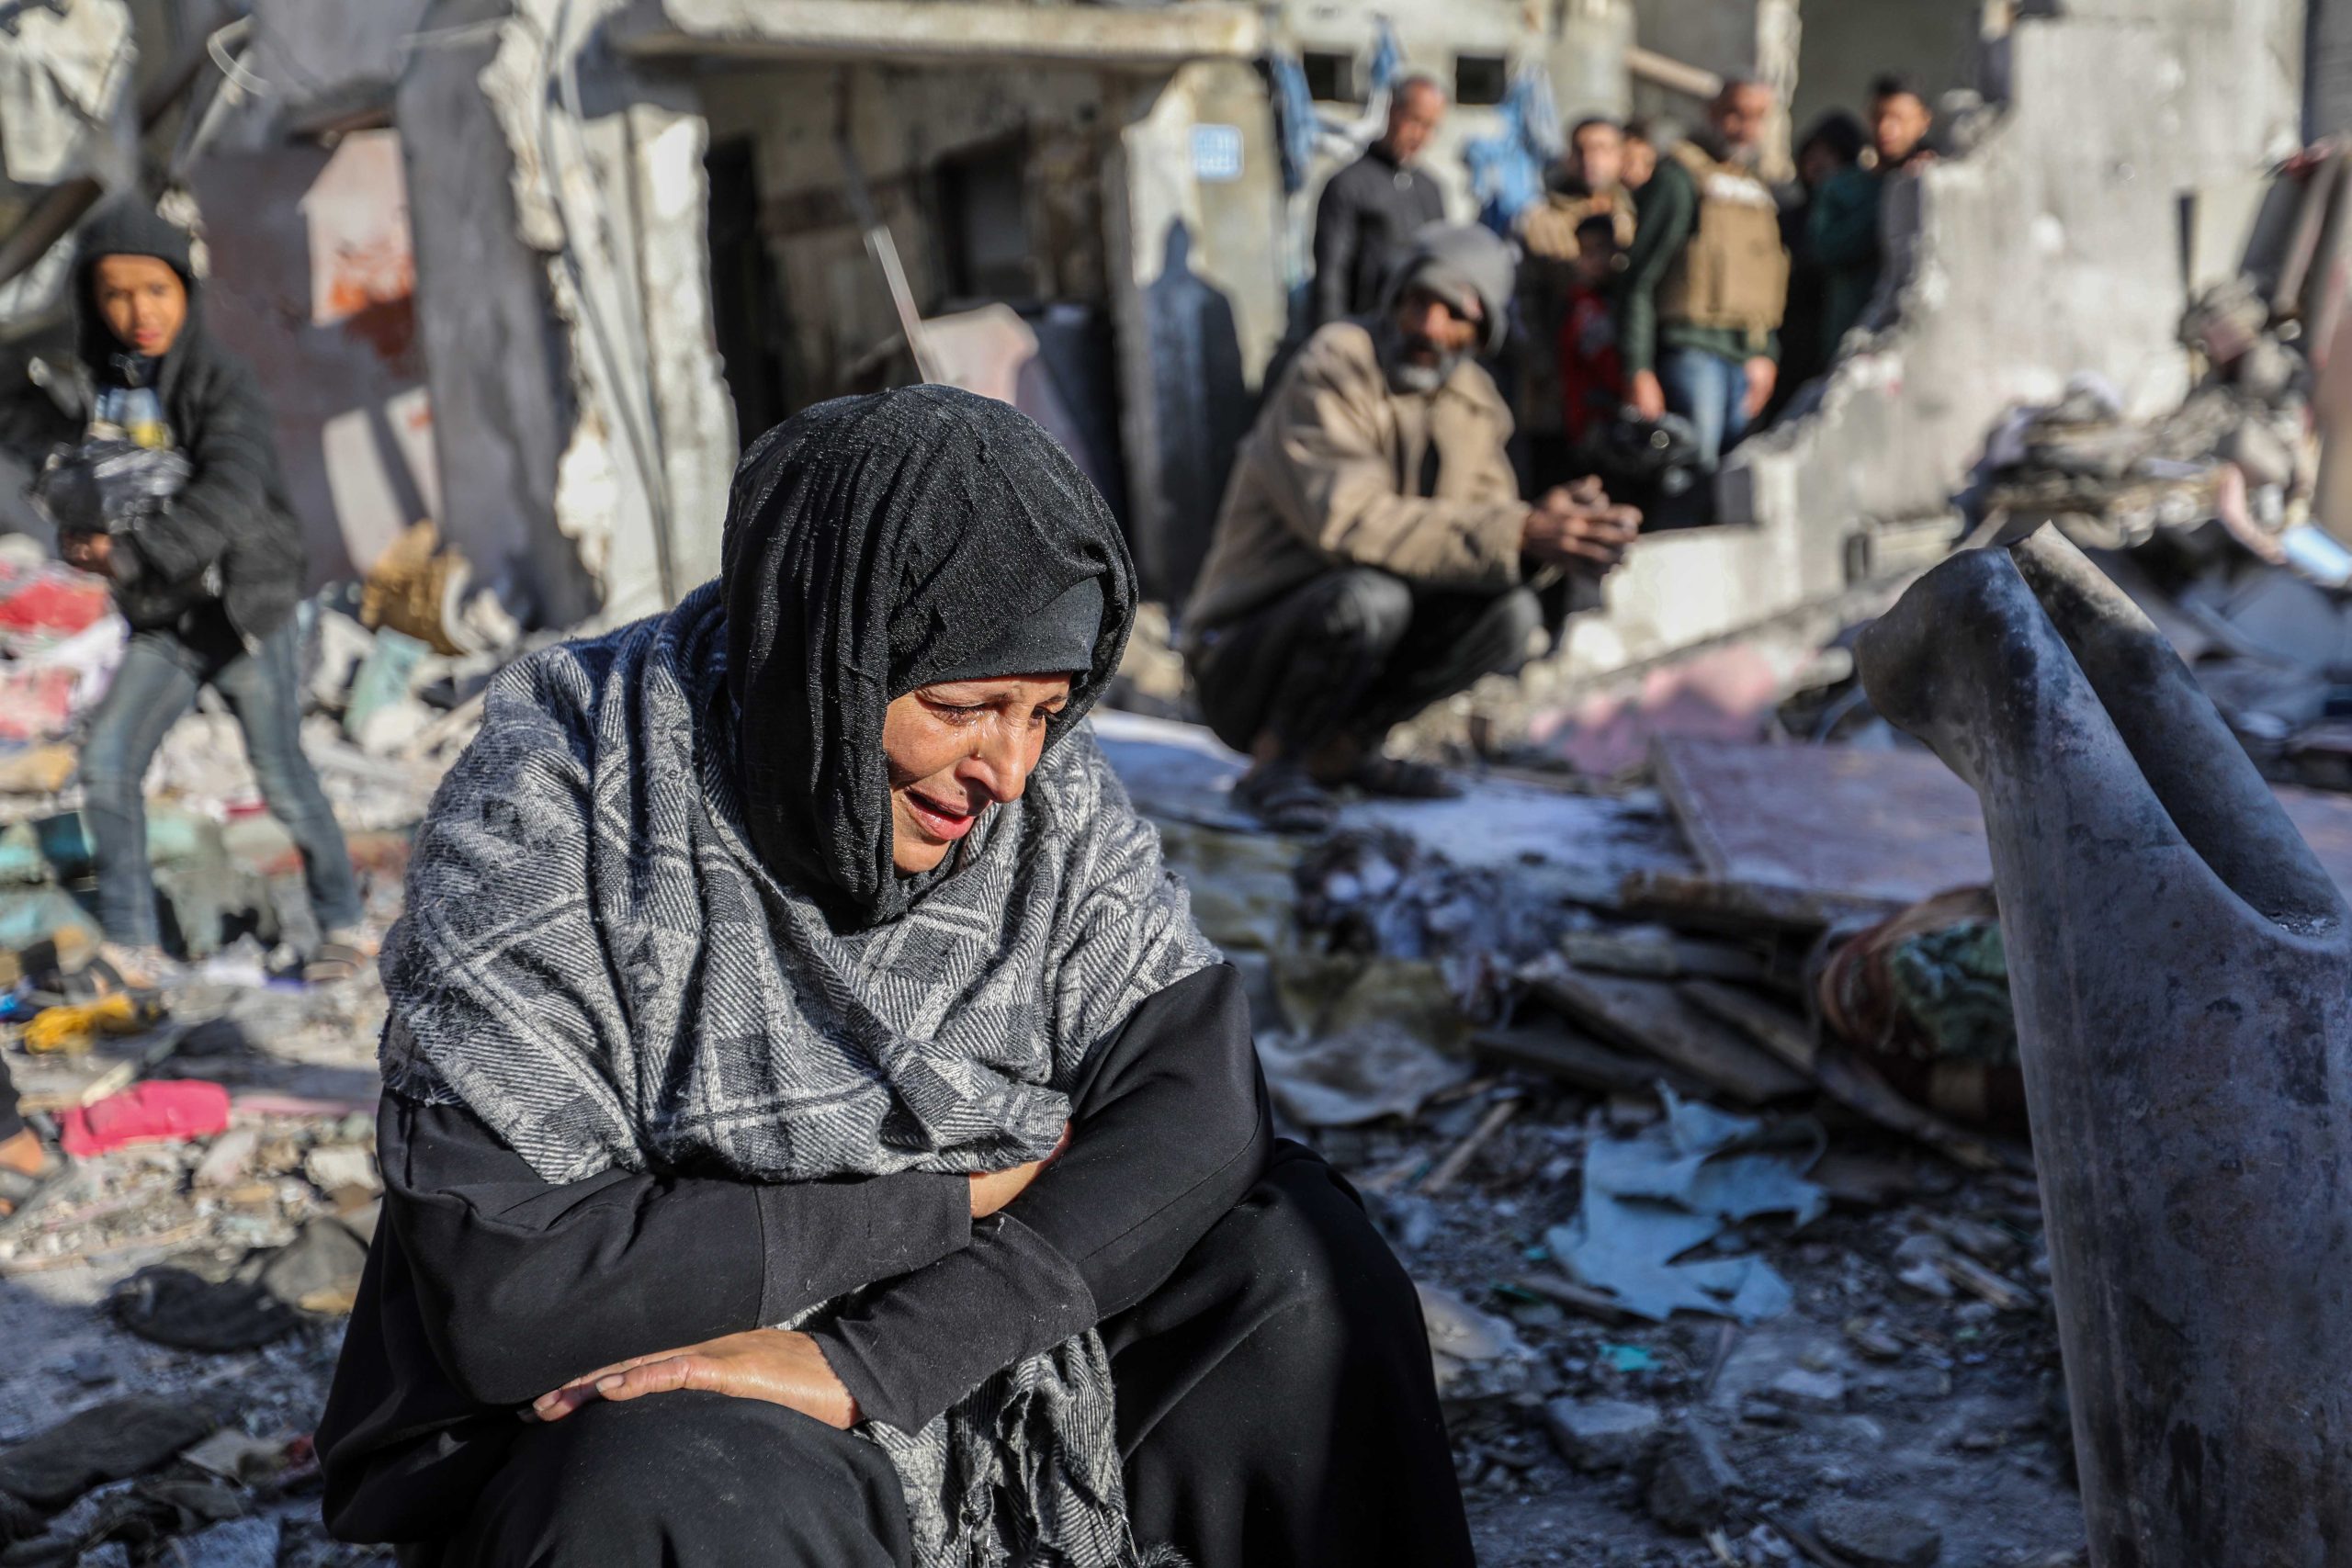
{"x": 178, "y": 1294}
{"x": 1710, "y": 1276}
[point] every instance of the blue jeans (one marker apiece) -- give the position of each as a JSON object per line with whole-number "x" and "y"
{"x": 154, "y": 690}
{"x": 1711, "y": 392}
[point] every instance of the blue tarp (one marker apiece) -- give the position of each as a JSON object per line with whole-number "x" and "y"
{"x": 1507, "y": 168}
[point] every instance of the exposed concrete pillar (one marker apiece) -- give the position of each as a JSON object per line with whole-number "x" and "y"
{"x": 496, "y": 359}
{"x": 584, "y": 435}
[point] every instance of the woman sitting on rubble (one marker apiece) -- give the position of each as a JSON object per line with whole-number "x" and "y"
{"x": 811, "y": 1107}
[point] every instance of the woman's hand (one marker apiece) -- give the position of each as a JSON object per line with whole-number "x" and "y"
{"x": 993, "y": 1189}
{"x": 776, "y": 1364}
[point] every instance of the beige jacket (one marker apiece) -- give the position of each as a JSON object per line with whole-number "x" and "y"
{"x": 1329, "y": 477}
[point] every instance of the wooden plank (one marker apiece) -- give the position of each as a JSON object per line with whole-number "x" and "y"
{"x": 1658, "y": 953}
{"x": 1578, "y": 1060}
{"x": 1784, "y": 834}
{"x": 1651, "y": 1016}
{"x": 1780, "y": 1030}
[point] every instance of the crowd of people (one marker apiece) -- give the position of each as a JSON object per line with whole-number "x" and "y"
{"x": 1375, "y": 551}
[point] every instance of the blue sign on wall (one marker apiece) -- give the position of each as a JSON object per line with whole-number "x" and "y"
{"x": 1217, "y": 154}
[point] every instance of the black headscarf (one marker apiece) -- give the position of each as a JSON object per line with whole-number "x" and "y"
{"x": 875, "y": 545}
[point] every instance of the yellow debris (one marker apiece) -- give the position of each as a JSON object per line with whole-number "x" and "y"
{"x": 75, "y": 1027}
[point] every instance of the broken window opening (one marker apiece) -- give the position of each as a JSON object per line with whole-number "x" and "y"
{"x": 1331, "y": 77}
{"x": 746, "y": 291}
{"x": 984, "y": 220}
{"x": 1480, "y": 79}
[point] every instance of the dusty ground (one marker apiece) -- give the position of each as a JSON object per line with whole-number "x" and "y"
{"x": 1951, "y": 1413}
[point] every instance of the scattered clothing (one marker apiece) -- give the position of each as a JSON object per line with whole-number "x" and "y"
{"x": 1364, "y": 221}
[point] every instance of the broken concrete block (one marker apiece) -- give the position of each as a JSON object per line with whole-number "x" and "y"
{"x": 1799, "y": 1389}
{"x": 1601, "y": 1434}
{"x": 335, "y": 1167}
{"x": 231, "y": 1156}
{"x": 1877, "y": 1535}
{"x": 1692, "y": 1489}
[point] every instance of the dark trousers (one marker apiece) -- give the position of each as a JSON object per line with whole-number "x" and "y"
{"x": 12, "y": 1121}
{"x": 1354, "y": 652}
{"x": 156, "y": 686}
{"x": 1275, "y": 1411}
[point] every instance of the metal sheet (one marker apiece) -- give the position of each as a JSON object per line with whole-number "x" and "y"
{"x": 1835, "y": 831}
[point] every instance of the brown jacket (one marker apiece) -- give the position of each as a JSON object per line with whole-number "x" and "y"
{"x": 1331, "y": 477}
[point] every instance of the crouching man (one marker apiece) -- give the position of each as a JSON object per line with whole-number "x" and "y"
{"x": 1373, "y": 555}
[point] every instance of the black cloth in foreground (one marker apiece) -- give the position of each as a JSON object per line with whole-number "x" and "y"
{"x": 1274, "y": 1411}
{"x": 12, "y": 1121}
{"x": 487, "y": 1286}
{"x": 1355, "y": 651}
{"x": 875, "y": 545}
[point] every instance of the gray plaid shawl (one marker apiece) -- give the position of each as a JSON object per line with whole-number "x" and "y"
{"x": 597, "y": 964}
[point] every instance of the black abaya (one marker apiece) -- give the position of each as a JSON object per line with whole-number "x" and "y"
{"x": 1274, "y": 1409}
{"x": 1272, "y": 1373}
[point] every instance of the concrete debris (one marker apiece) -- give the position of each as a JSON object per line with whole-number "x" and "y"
{"x": 1877, "y": 1535}
{"x": 1695, "y": 1483}
{"x": 1602, "y": 1434}
{"x": 241, "y": 1543}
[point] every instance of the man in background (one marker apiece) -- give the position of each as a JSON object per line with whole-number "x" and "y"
{"x": 1369, "y": 210}
{"x": 1373, "y": 555}
{"x": 1582, "y": 188}
{"x": 1706, "y": 283}
{"x": 1900, "y": 124}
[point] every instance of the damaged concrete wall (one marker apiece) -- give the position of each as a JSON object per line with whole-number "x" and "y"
{"x": 2053, "y": 250}
{"x": 495, "y": 356}
{"x": 313, "y": 280}
{"x": 564, "y": 288}
{"x": 1847, "y": 43}
{"x": 1055, "y": 125}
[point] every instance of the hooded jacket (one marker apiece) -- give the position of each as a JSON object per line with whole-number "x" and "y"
{"x": 1341, "y": 469}
{"x": 230, "y": 535}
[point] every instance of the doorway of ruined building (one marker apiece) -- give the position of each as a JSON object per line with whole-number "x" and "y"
{"x": 747, "y": 303}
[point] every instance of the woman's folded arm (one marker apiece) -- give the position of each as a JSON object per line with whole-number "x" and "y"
{"x": 525, "y": 1283}
{"x": 1170, "y": 1128}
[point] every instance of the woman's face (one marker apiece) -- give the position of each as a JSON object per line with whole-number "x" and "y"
{"x": 956, "y": 748}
